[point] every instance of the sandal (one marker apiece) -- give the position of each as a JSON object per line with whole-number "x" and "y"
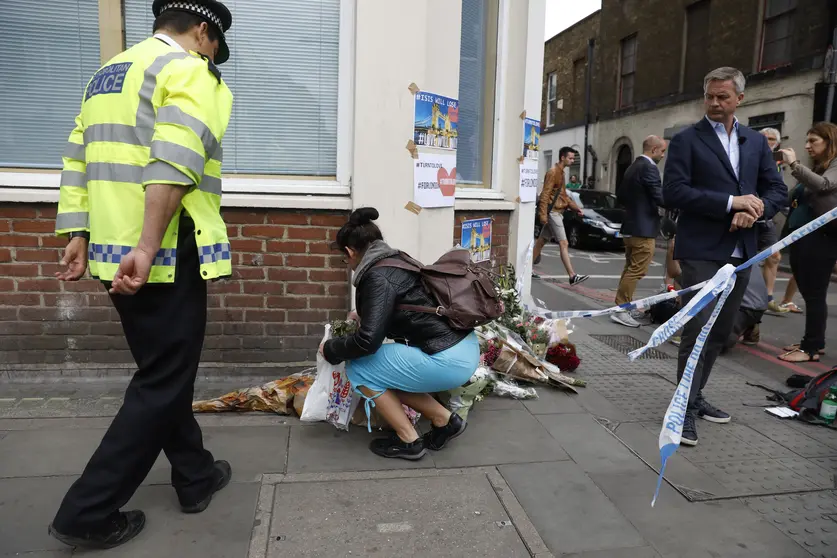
{"x": 787, "y": 357}
{"x": 791, "y": 307}
{"x": 795, "y": 347}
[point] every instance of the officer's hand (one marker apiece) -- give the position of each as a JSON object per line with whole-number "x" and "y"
{"x": 742, "y": 220}
{"x": 75, "y": 258}
{"x": 133, "y": 272}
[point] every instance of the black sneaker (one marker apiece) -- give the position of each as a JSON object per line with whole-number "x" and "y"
{"x": 707, "y": 411}
{"x": 121, "y": 528}
{"x": 223, "y": 474}
{"x": 576, "y": 279}
{"x": 393, "y": 447}
{"x": 689, "y": 436}
{"x": 438, "y": 438}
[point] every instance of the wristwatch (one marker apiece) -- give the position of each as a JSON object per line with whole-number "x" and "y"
{"x": 84, "y": 234}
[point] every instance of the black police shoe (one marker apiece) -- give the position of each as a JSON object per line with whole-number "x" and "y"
{"x": 707, "y": 411}
{"x": 689, "y": 436}
{"x": 120, "y": 528}
{"x": 437, "y": 438}
{"x": 222, "y": 475}
{"x": 393, "y": 447}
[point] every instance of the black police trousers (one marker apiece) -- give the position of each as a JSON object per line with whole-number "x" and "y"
{"x": 164, "y": 325}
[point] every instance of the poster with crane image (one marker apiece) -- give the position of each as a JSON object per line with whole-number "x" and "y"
{"x": 476, "y": 237}
{"x": 529, "y": 162}
{"x": 436, "y": 121}
{"x": 531, "y": 138}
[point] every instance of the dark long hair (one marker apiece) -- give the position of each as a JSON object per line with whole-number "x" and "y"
{"x": 828, "y": 132}
{"x": 359, "y": 232}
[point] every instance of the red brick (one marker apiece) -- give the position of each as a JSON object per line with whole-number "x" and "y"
{"x": 213, "y": 301}
{"x": 18, "y": 270}
{"x": 246, "y": 245}
{"x": 305, "y": 261}
{"x": 328, "y": 302}
{"x": 49, "y": 270}
{"x": 8, "y": 315}
{"x": 277, "y": 260}
{"x": 331, "y": 235}
{"x": 249, "y": 273}
{"x": 237, "y": 216}
{"x": 38, "y": 285}
{"x": 76, "y": 300}
{"x": 225, "y": 315}
{"x": 320, "y": 248}
{"x": 53, "y": 241}
{"x": 17, "y": 211}
{"x": 336, "y": 262}
{"x": 98, "y": 299}
{"x": 84, "y": 286}
{"x": 285, "y": 329}
{"x": 232, "y": 231}
{"x": 243, "y": 301}
{"x": 27, "y": 226}
{"x": 307, "y": 233}
{"x": 285, "y": 274}
{"x": 20, "y": 299}
{"x": 264, "y": 288}
{"x": 7, "y": 285}
{"x": 329, "y": 220}
{"x": 328, "y": 275}
{"x": 287, "y": 219}
{"x": 18, "y": 240}
{"x": 305, "y": 288}
{"x": 286, "y": 246}
{"x": 263, "y": 231}
{"x": 45, "y": 255}
{"x": 5, "y": 226}
{"x": 48, "y": 212}
{"x": 338, "y": 290}
{"x": 285, "y": 302}
{"x": 5, "y": 255}
{"x": 266, "y": 315}
{"x": 307, "y": 316}
{"x": 225, "y": 287}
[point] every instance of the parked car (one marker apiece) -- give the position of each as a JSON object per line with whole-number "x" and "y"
{"x": 601, "y": 223}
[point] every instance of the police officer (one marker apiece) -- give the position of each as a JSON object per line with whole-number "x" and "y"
{"x": 140, "y": 198}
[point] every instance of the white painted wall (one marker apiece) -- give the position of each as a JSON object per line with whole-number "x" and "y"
{"x": 572, "y": 137}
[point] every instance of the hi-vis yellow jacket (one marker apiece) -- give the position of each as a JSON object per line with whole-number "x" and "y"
{"x": 153, "y": 114}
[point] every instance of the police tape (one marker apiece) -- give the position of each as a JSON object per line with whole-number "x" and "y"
{"x": 721, "y": 284}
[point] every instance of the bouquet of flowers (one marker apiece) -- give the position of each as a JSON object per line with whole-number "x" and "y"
{"x": 343, "y": 328}
{"x": 563, "y": 356}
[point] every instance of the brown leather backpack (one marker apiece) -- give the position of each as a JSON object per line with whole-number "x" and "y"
{"x": 465, "y": 292}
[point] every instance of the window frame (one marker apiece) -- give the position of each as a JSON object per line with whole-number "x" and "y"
{"x": 767, "y": 18}
{"x": 247, "y": 184}
{"x": 622, "y": 75}
{"x": 551, "y": 99}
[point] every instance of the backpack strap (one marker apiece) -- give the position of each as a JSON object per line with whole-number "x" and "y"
{"x": 416, "y": 268}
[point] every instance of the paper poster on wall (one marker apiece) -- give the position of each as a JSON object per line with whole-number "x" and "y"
{"x": 528, "y": 180}
{"x": 476, "y": 237}
{"x": 531, "y": 138}
{"x": 434, "y": 178}
{"x": 436, "y": 121}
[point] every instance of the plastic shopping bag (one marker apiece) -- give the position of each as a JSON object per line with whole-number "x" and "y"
{"x": 342, "y": 400}
{"x": 316, "y": 401}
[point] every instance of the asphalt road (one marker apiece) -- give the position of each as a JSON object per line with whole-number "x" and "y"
{"x": 605, "y": 267}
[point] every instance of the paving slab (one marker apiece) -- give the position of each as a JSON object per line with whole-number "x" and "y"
{"x": 643, "y": 397}
{"x": 592, "y": 401}
{"x": 451, "y": 516}
{"x": 804, "y": 518}
{"x": 590, "y": 444}
{"x": 322, "y": 448}
{"x": 493, "y": 403}
{"x": 796, "y": 441}
{"x": 568, "y": 509}
{"x": 27, "y": 506}
{"x": 551, "y": 401}
{"x": 756, "y": 476}
{"x": 500, "y": 437}
{"x": 677, "y": 528}
{"x": 636, "y": 552}
{"x": 755, "y": 439}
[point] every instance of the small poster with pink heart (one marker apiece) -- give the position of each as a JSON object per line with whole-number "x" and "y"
{"x": 435, "y": 179}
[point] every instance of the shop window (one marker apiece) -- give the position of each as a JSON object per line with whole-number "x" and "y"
{"x": 42, "y": 83}
{"x": 283, "y": 73}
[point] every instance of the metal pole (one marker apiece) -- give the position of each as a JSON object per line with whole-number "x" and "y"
{"x": 590, "y": 44}
{"x": 832, "y": 78}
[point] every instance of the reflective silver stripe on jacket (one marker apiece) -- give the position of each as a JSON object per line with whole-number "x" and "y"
{"x": 114, "y": 172}
{"x": 177, "y": 154}
{"x": 162, "y": 172}
{"x": 174, "y": 115}
{"x": 145, "y": 110}
{"x": 210, "y": 184}
{"x": 119, "y": 133}
{"x": 75, "y": 220}
{"x": 73, "y": 178}
{"x": 74, "y": 151}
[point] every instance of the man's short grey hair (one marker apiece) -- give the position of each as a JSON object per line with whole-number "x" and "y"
{"x": 726, "y": 74}
{"x": 776, "y": 134}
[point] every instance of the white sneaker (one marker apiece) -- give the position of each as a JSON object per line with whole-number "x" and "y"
{"x": 625, "y": 319}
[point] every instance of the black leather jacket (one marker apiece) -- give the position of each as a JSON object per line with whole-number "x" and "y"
{"x": 379, "y": 290}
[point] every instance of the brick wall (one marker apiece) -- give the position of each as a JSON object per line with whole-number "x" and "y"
{"x": 286, "y": 285}
{"x": 499, "y": 233}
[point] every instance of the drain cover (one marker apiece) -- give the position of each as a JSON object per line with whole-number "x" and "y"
{"x": 625, "y": 344}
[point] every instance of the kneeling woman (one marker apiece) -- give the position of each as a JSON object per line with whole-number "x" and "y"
{"x": 428, "y": 355}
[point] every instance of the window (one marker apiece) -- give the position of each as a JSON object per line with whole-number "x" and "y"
{"x": 547, "y": 159}
{"x": 697, "y": 42}
{"x": 774, "y": 120}
{"x": 551, "y": 99}
{"x": 579, "y": 89}
{"x": 477, "y": 71}
{"x": 283, "y": 72}
{"x": 41, "y": 85}
{"x": 627, "y": 72}
{"x": 776, "y": 37}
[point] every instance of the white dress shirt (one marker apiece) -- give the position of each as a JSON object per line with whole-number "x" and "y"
{"x": 733, "y": 150}
{"x": 169, "y": 41}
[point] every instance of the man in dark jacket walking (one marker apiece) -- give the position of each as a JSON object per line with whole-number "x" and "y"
{"x": 641, "y": 193}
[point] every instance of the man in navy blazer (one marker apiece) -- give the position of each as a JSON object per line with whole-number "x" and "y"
{"x": 722, "y": 177}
